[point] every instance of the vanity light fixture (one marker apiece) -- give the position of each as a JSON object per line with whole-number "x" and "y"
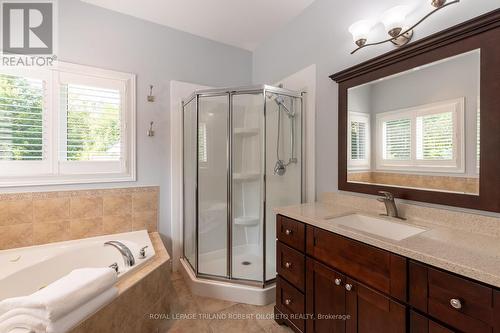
{"x": 394, "y": 23}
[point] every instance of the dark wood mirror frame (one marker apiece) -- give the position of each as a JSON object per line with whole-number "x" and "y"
{"x": 482, "y": 32}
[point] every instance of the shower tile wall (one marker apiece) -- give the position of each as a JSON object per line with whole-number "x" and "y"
{"x": 45, "y": 217}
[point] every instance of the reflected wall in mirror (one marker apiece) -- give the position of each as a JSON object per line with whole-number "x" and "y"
{"x": 419, "y": 128}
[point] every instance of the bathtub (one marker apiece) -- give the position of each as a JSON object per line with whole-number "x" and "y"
{"x": 26, "y": 270}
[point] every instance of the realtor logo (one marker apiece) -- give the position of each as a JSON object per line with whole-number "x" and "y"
{"x": 28, "y": 28}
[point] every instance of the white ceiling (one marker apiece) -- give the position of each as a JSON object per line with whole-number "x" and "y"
{"x": 242, "y": 23}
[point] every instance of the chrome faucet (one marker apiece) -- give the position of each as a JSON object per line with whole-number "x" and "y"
{"x": 390, "y": 205}
{"x": 127, "y": 255}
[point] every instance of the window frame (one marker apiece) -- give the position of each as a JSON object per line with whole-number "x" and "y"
{"x": 59, "y": 172}
{"x": 364, "y": 164}
{"x": 454, "y": 166}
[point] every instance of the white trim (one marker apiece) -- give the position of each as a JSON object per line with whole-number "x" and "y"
{"x": 456, "y": 165}
{"x": 69, "y": 172}
{"x": 364, "y": 164}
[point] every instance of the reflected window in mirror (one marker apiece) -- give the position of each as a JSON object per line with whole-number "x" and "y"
{"x": 419, "y": 128}
{"x": 359, "y": 141}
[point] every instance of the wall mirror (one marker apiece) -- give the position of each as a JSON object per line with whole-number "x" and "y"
{"x": 423, "y": 121}
{"x": 419, "y": 128}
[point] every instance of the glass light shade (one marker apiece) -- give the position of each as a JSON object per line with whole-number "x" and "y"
{"x": 394, "y": 17}
{"x": 361, "y": 29}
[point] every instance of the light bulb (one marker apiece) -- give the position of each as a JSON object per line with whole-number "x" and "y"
{"x": 393, "y": 19}
{"x": 438, "y": 3}
{"x": 360, "y": 31}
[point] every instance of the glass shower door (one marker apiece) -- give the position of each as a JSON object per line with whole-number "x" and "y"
{"x": 213, "y": 160}
{"x": 283, "y": 142}
{"x": 189, "y": 185}
{"x": 247, "y": 186}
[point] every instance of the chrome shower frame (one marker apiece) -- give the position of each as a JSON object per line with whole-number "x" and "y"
{"x": 230, "y": 93}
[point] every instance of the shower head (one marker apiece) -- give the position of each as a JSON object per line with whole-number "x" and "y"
{"x": 280, "y": 100}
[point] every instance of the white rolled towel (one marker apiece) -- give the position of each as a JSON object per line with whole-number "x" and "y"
{"x": 17, "y": 322}
{"x": 64, "y": 295}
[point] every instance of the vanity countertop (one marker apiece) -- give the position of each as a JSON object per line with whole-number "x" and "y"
{"x": 473, "y": 255}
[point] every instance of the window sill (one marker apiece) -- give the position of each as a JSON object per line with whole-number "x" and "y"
{"x": 61, "y": 180}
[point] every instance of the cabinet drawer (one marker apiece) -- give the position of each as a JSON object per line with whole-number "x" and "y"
{"x": 291, "y": 232}
{"x": 374, "y": 267}
{"x": 466, "y": 305}
{"x": 291, "y": 302}
{"x": 291, "y": 265}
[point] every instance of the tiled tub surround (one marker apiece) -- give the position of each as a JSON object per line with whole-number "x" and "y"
{"x": 463, "y": 243}
{"x": 44, "y": 217}
{"x": 143, "y": 293}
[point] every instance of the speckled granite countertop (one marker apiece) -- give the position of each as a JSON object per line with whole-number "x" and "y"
{"x": 474, "y": 255}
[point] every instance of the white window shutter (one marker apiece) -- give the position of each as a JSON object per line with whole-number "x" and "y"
{"x": 397, "y": 139}
{"x": 92, "y": 122}
{"x": 22, "y": 125}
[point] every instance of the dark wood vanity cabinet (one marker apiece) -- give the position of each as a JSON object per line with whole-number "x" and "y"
{"x": 342, "y": 304}
{"x": 330, "y": 283}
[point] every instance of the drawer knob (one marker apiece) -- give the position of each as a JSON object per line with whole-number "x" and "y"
{"x": 288, "y": 301}
{"x": 288, "y": 264}
{"x": 348, "y": 286}
{"x": 338, "y": 282}
{"x": 455, "y": 303}
{"x": 288, "y": 231}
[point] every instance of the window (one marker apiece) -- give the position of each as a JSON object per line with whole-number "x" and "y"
{"x": 359, "y": 141}
{"x": 202, "y": 145}
{"x": 478, "y": 138}
{"x": 397, "y": 139}
{"x": 21, "y": 118}
{"x": 424, "y": 138}
{"x": 69, "y": 124}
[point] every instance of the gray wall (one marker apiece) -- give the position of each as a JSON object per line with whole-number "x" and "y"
{"x": 319, "y": 36}
{"x": 93, "y": 36}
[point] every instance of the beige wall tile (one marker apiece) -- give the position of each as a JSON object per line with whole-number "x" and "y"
{"x": 51, "y": 232}
{"x": 85, "y": 207}
{"x": 44, "y": 217}
{"x": 117, "y": 205}
{"x": 83, "y": 228}
{"x": 18, "y": 235}
{"x": 16, "y": 212}
{"x": 145, "y": 220}
{"x": 145, "y": 201}
{"x": 51, "y": 209}
{"x": 117, "y": 224}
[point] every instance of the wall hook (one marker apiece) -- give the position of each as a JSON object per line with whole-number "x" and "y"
{"x": 151, "y": 98}
{"x": 151, "y": 132}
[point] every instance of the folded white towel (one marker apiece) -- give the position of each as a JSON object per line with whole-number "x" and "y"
{"x": 27, "y": 322}
{"x": 21, "y": 330}
{"x": 22, "y": 323}
{"x": 64, "y": 295}
{"x": 69, "y": 321}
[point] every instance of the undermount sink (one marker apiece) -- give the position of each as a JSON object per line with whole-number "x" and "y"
{"x": 380, "y": 227}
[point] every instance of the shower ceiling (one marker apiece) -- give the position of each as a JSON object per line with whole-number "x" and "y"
{"x": 241, "y": 23}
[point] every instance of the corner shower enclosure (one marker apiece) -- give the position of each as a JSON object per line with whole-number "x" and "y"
{"x": 242, "y": 156}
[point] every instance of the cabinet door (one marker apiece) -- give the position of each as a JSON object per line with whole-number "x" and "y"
{"x": 372, "y": 312}
{"x": 325, "y": 299}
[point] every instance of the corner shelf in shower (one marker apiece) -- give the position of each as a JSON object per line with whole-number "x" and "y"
{"x": 246, "y": 176}
{"x": 245, "y": 131}
{"x": 246, "y": 221}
